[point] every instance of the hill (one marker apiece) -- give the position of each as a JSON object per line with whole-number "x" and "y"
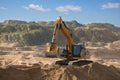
{"x": 37, "y": 33}
{"x": 98, "y": 32}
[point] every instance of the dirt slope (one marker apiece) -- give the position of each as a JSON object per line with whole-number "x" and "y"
{"x": 92, "y": 71}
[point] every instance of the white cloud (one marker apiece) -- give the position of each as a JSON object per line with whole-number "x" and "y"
{"x": 110, "y": 5}
{"x": 68, "y": 8}
{"x": 36, "y": 7}
{"x": 2, "y": 8}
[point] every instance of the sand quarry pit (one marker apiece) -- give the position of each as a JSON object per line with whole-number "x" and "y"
{"x": 29, "y": 63}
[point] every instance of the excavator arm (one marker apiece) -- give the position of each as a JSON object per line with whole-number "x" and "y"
{"x": 60, "y": 27}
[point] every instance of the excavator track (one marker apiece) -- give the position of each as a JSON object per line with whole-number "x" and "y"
{"x": 73, "y": 62}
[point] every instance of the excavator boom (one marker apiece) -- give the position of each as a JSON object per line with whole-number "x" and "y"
{"x": 60, "y": 27}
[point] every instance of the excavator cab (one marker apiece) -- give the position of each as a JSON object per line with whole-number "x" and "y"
{"x": 78, "y": 51}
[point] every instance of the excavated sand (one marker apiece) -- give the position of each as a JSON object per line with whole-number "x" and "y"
{"x": 92, "y": 71}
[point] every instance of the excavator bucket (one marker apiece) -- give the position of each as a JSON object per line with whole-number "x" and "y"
{"x": 51, "y": 50}
{"x": 52, "y": 47}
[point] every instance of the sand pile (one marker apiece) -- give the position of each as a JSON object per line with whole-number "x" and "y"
{"x": 93, "y": 71}
{"x": 115, "y": 44}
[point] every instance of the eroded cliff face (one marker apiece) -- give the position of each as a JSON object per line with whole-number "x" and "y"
{"x": 8, "y": 22}
{"x": 36, "y": 33}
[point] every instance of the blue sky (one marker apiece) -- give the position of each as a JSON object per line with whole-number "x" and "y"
{"x": 84, "y": 11}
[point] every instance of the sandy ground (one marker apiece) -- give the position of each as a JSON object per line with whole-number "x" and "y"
{"x": 29, "y": 63}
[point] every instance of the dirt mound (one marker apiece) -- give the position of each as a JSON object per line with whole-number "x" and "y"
{"x": 92, "y": 71}
{"x": 10, "y": 45}
{"x": 95, "y": 44}
{"x": 116, "y": 44}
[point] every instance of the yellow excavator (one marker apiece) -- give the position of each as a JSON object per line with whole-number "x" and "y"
{"x": 73, "y": 53}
